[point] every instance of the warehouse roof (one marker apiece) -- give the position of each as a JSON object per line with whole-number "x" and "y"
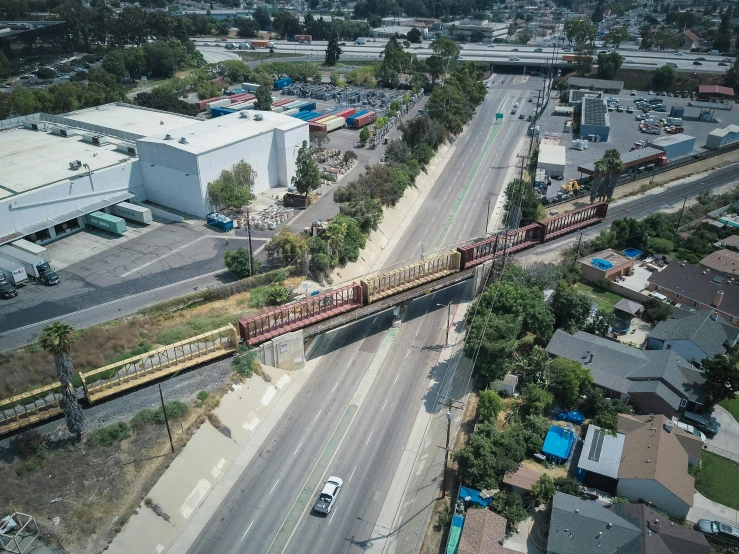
{"x": 668, "y": 140}
{"x": 603, "y": 84}
{"x": 629, "y": 159}
{"x": 131, "y": 119}
{"x": 715, "y": 89}
{"x": 594, "y": 111}
{"x": 551, "y": 154}
{"x": 33, "y": 159}
{"x": 212, "y": 134}
{"x": 724, "y": 131}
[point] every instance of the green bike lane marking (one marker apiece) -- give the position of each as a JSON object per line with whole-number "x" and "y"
{"x": 314, "y": 480}
{"x": 468, "y": 183}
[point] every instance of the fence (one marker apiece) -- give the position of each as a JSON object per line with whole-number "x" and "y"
{"x": 30, "y": 407}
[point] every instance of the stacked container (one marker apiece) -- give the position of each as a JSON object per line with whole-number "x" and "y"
{"x": 218, "y": 112}
{"x": 220, "y": 103}
{"x": 203, "y": 104}
{"x": 351, "y": 118}
{"x": 335, "y": 123}
{"x": 249, "y": 87}
{"x": 291, "y": 111}
{"x": 347, "y": 112}
{"x": 364, "y": 119}
{"x": 279, "y": 84}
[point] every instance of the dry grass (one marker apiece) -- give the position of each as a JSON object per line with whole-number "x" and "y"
{"x": 99, "y": 487}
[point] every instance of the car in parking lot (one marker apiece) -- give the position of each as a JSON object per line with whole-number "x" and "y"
{"x": 659, "y": 108}
{"x": 521, "y": 116}
{"x": 640, "y": 143}
{"x": 630, "y": 109}
{"x": 640, "y": 116}
{"x": 717, "y": 530}
{"x": 722, "y": 63}
{"x": 632, "y": 93}
{"x": 619, "y": 109}
{"x": 327, "y": 498}
{"x": 650, "y": 93}
{"x": 705, "y": 423}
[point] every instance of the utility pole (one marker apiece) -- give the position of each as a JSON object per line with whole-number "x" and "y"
{"x": 577, "y": 252}
{"x": 487, "y": 221}
{"x": 450, "y": 405}
{"x": 680, "y": 217}
{"x": 166, "y": 421}
{"x": 248, "y": 232}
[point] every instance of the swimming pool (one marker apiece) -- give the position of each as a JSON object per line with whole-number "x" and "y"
{"x": 558, "y": 444}
{"x": 632, "y": 253}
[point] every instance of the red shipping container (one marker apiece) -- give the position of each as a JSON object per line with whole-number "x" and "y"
{"x": 319, "y": 117}
{"x": 243, "y": 97}
{"x": 348, "y": 112}
{"x": 282, "y": 102}
{"x": 316, "y": 127}
{"x": 365, "y": 119}
{"x": 203, "y": 103}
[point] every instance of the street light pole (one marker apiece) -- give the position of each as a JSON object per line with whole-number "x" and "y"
{"x": 448, "y": 319}
{"x": 446, "y": 452}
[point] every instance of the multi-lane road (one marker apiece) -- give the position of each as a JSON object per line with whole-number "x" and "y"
{"x": 500, "y": 54}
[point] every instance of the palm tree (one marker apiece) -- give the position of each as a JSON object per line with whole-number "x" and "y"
{"x": 57, "y": 339}
{"x": 607, "y": 172}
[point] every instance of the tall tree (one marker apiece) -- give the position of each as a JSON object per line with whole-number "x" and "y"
{"x": 307, "y": 176}
{"x": 57, "y": 339}
{"x": 444, "y": 52}
{"x": 333, "y": 51}
{"x": 571, "y": 308}
{"x": 608, "y": 64}
{"x": 607, "y": 172}
{"x": 617, "y": 35}
{"x": 722, "y": 38}
{"x": 722, "y": 377}
{"x": 233, "y": 188}
{"x": 264, "y": 99}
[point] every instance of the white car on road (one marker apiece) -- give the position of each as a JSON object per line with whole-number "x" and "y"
{"x": 327, "y": 498}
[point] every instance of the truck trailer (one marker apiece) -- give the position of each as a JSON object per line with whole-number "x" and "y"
{"x": 36, "y": 268}
{"x": 13, "y": 272}
{"x": 106, "y": 222}
{"x": 32, "y": 248}
{"x": 139, "y": 214}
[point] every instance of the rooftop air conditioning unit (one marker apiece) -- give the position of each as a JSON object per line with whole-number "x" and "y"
{"x": 243, "y": 115}
{"x": 63, "y": 131}
{"x": 35, "y": 125}
{"x": 74, "y": 165}
{"x": 258, "y": 117}
{"x": 96, "y": 140}
{"x": 126, "y": 149}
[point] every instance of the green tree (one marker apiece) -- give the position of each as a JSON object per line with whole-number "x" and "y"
{"x": 364, "y": 135}
{"x": 414, "y": 36}
{"x": 656, "y": 311}
{"x": 232, "y": 188}
{"x": 599, "y": 324}
{"x": 722, "y": 377}
{"x": 532, "y": 367}
{"x": 240, "y": 263}
{"x": 571, "y": 308}
{"x": 664, "y": 76}
{"x": 114, "y": 63}
{"x": 617, "y": 35}
{"x": 522, "y": 205}
{"x": 333, "y": 51}
{"x": 307, "y": 176}
{"x": 570, "y": 380}
{"x": 647, "y": 37}
{"x": 287, "y": 24}
{"x": 510, "y": 506}
{"x": 722, "y": 38}
{"x": 449, "y": 106}
{"x": 536, "y": 400}
{"x": 57, "y": 339}
{"x": 489, "y": 406}
{"x": 609, "y": 64}
{"x": 444, "y": 52}
{"x": 607, "y": 172}
{"x": 263, "y": 19}
{"x": 319, "y": 139}
{"x": 731, "y": 79}
{"x": 287, "y": 247}
{"x": 543, "y": 490}
{"x": 4, "y": 67}
{"x": 597, "y": 15}
{"x": 395, "y": 62}
{"x": 264, "y": 99}
{"x": 45, "y": 73}
{"x": 607, "y": 420}
{"x": 488, "y": 456}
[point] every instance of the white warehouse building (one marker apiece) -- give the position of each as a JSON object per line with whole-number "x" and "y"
{"x": 56, "y": 169}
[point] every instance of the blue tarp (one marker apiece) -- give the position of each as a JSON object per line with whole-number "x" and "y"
{"x": 601, "y": 264}
{"x": 466, "y": 493}
{"x": 573, "y": 417}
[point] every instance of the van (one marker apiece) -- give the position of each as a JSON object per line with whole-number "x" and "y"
{"x": 360, "y": 41}
{"x": 707, "y": 424}
{"x": 714, "y": 52}
{"x": 675, "y": 120}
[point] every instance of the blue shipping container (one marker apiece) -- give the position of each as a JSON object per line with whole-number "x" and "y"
{"x": 350, "y": 119}
{"x": 279, "y": 84}
{"x": 218, "y": 112}
{"x": 309, "y": 106}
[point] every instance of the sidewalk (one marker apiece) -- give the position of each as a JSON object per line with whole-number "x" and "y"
{"x": 707, "y": 509}
{"x": 403, "y": 518}
{"x": 190, "y": 490}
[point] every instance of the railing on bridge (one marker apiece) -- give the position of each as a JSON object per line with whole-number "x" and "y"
{"x": 502, "y": 242}
{"x": 146, "y": 367}
{"x": 26, "y": 409}
{"x": 292, "y": 317}
{"x": 414, "y": 275}
{"x": 574, "y": 220}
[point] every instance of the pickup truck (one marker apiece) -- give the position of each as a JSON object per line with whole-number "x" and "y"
{"x": 326, "y": 499}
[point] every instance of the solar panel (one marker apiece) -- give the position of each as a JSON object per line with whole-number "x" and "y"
{"x": 596, "y": 446}
{"x": 594, "y": 110}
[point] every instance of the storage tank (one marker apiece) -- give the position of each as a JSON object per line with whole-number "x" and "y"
{"x": 32, "y": 248}
{"x": 335, "y": 123}
{"x": 140, "y": 214}
{"x": 106, "y": 222}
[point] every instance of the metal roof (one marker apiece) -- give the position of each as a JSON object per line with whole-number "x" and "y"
{"x": 601, "y": 452}
{"x": 715, "y": 89}
{"x": 585, "y": 82}
{"x": 594, "y": 111}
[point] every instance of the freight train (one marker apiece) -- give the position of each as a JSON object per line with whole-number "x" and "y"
{"x": 298, "y": 315}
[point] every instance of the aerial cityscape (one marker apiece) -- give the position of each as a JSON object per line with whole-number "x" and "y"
{"x": 397, "y": 276}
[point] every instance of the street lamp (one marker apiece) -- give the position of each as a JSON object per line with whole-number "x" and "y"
{"x": 446, "y": 452}
{"x": 448, "y": 318}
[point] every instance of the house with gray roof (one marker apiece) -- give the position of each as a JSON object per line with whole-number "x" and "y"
{"x": 693, "y": 335}
{"x": 656, "y": 381}
{"x": 580, "y": 527}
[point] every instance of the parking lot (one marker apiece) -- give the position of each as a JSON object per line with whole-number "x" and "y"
{"x": 625, "y": 131}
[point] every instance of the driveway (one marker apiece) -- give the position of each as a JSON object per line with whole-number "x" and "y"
{"x": 707, "y": 509}
{"x": 726, "y": 441}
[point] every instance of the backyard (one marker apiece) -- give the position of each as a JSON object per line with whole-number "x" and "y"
{"x": 603, "y": 299}
{"x": 716, "y": 479}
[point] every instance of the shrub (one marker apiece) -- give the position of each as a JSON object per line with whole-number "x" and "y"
{"x": 31, "y": 444}
{"x": 28, "y": 466}
{"x": 489, "y": 406}
{"x": 656, "y": 311}
{"x": 245, "y": 361}
{"x": 110, "y": 434}
{"x": 258, "y": 297}
{"x": 278, "y": 295}
{"x": 202, "y": 395}
{"x": 175, "y": 410}
{"x": 144, "y": 417}
{"x": 173, "y": 334}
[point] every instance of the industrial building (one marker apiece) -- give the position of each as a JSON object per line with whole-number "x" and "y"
{"x": 576, "y": 96}
{"x": 552, "y": 159}
{"x": 595, "y": 124}
{"x": 604, "y": 85}
{"x": 674, "y": 146}
{"x": 721, "y": 137}
{"x": 57, "y": 169}
{"x": 642, "y": 159}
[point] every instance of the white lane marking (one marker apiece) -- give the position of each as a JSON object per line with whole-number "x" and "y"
{"x": 247, "y": 530}
{"x": 383, "y": 406}
{"x": 409, "y": 351}
{"x": 352, "y": 475}
{"x": 298, "y": 448}
{"x": 318, "y": 414}
{"x": 273, "y": 486}
{"x": 147, "y": 264}
{"x": 368, "y": 438}
{"x": 332, "y": 518}
{"x": 396, "y": 377}
{"x": 373, "y": 321}
{"x": 336, "y": 385}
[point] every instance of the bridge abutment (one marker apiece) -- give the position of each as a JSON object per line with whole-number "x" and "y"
{"x": 286, "y": 351}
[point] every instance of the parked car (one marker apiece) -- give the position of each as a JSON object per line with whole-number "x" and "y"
{"x": 707, "y": 424}
{"x": 633, "y": 93}
{"x": 521, "y": 116}
{"x": 692, "y": 430}
{"x": 630, "y": 109}
{"x": 650, "y": 93}
{"x": 620, "y": 109}
{"x": 327, "y": 498}
{"x": 659, "y": 108}
{"x": 717, "y": 530}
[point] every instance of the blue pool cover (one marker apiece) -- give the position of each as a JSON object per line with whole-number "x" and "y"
{"x": 558, "y": 444}
{"x": 471, "y": 496}
{"x": 599, "y": 263}
{"x": 632, "y": 253}
{"x": 574, "y": 416}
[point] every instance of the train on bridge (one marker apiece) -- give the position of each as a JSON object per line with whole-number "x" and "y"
{"x": 298, "y": 315}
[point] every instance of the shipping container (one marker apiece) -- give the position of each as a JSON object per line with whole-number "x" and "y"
{"x": 295, "y": 103}
{"x": 290, "y": 112}
{"x": 279, "y": 84}
{"x": 278, "y": 109}
{"x": 222, "y": 103}
{"x": 308, "y": 107}
{"x": 316, "y": 128}
{"x": 246, "y": 105}
{"x": 203, "y": 104}
{"x": 36, "y": 268}
{"x": 364, "y": 120}
{"x": 249, "y": 87}
{"x": 14, "y": 272}
{"x": 335, "y": 123}
{"x": 139, "y": 214}
{"x": 325, "y": 119}
{"x": 348, "y": 112}
{"x": 218, "y": 112}
{"x": 106, "y": 222}
{"x": 32, "y": 248}
{"x": 351, "y": 118}
{"x": 282, "y": 101}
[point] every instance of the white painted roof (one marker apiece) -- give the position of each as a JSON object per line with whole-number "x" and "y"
{"x": 551, "y": 154}
{"x": 131, "y": 119}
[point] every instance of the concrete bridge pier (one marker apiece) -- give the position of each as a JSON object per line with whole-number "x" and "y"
{"x": 286, "y": 351}
{"x": 480, "y": 277}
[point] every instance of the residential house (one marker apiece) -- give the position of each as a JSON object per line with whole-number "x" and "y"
{"x": 580, "y": 527}
{"x": 690, "y": 39}
{"x": 606, "y": 264}
{"x": 521, "y": 481}
{"x": 731, "y": 242}
{"x": 724, "y": 262}
{"x": 483, "y": 533}
{"x": 656, "y": 381}
{"x": 691, "y": 286}
{"x": 694, "y": 336}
